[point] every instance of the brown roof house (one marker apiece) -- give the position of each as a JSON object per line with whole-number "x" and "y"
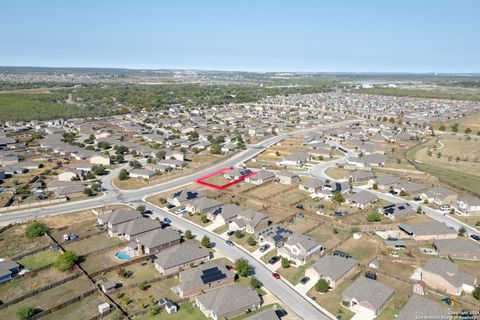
{"x": 204, "y": 278}
{"x": 444, "y": 275}
{"x": 300, "y": 248}
{"x": 228, "y": 302}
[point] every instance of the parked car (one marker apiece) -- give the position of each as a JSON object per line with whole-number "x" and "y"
{"x": 273, "y": 259}
{"x": 475, "y": 237}
{"x": 167, "y": 221}
{"x": 276, "y": 275}
{"x": 445, "y": 208}
{"x": 393, "y": 192}
{"x": 230, "y": 233}
{"x": 304, "y": 280}
{"x": 418, "y": 199}
{"x": 229, "y": 243}
{"x": 264, "y": 248}
{"x": 181, "y": 211}
{"x": 170, "y": 206}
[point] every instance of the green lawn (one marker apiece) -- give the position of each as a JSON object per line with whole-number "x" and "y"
{"x": 387, "y": 314}
{"x": 39, "y": 260}
{"x": 92, "y": 244}
{"x": 243, "y": 241}
{"x": 221, "y": 229}
{"x": 294, "y": 275}
{"x": 81, "y": 310}
{"x": 246, "y": 315}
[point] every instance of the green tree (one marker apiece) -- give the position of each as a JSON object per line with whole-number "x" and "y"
{"x": 99, "y": 170}
{"x": 374, "y": 217}
{"x": 25, "y": 313}
{"x": 255, "y": 283}
{"x": 206, "y": 242}
{"x": 66, "y": 260}
{"x": 141, "y": 208}
{"x": 242, "y": 267}
{"x": 161, "y": 154}
{"x": 322, "y": 286}
{"x": 338, "y": 197}
{"x": 154, "y": 310}
{"x": 251, "y": 241}
{"x": 36, "y": 229}
{"x": 123, "y": 175}
{"x": 239, "y": 234}
{"x": 215, "y": 148}
{"x": 188, "y": 234}
{"x": 135, "y": 164}
{"x": 204, "y": 218}
{"x": 285, "y": 263}
{"x": 442, "y": 128}
{"x": 88, "y": 191}
{"x": 462, "y": 231}
{"x": 468, "y": 130}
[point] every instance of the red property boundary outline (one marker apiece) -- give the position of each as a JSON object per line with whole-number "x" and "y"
{"x": 214, "y": 186}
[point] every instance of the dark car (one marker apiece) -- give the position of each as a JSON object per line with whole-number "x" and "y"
{"x": 167, "y": 221}
{"x": 304, "y": 280}
{"x": 170, "y": 206}
{"x": 273, "y": 259}
{"x": 299, "y": 206}
{"x": 230, "y": 233}
{"x": 475, "y": 237}
{"x": 230, "y": 243}
{"x": 264, "y": 248}
{"x": 393, "y": 192}
{"x": 281, "y": 313}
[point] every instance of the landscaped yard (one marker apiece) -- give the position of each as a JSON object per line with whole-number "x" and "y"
{"x": 293, "y": 274}
{"x": 139, "y": 272}
{"x": 196, "y": 218}
{"x": 243, "y": 241}
{"x": 39, "y": 259}
{"x": 221, "y": 229}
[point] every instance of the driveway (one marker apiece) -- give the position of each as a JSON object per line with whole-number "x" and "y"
{"x": 362, "y": 316}
{"x": 304, "y": 288}
{"x": 214, "y": 225}
{"x": 257, "y": 254}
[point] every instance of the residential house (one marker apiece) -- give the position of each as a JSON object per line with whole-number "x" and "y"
{"x": 411, "y": 188}
{"x": 362, "y": 199}
{"x": 225, "y": 213}
{"x": 178, "y": 258}
{"x": 428, "y": 231}
{"x": 267, "y": 314}
{"x": 183, "y": 197}
{"x": 334, "y": 269}
{"x": 130, "y": 230}
{"x": 369, "y": 160}
{"x": 249, "y": 221}
{"x": 300, "y": 248}
{"x": 116, "y": 217}
{"x": 288, "y": 178}
{"x": 260, "y": 177}
{"x": 204, "y": 278}
{"x": 468, "y": 206}
{"x": 419, "y": 307}
{"x": 68, "y": 175}
{"x": 361, "y": 175}
{"x": 236, "y": 173}
{"x": 100, "y": 159}
{"x": 384, "y": 182}
{"x": 463, "y": 249}
{"x": 156, "y": 240}
{"x": 203, "y": 205}
{"x": 8, "y": 268}
{"x": 228, "y": 302}
{"x": 311, "y": 185}
{"x": 296, "y": 159}
{"x": 275, "y": 235}
{"x": 141, "y": 173}
{"x": 441, "y": 274}
{"x": 367, "y": 296}
{"x": 398, "y": 211}
{"x": 439, "y": 195}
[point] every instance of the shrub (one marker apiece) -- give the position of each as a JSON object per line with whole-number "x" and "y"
{"x": 462, "y": 231}
{"x": 251, "y": 241}
{"x": 206, "y": 242}
{"x": 476, "y": 293}
{"x": 162, "y": 200}
{"x": 322, "y": 286}
{"x": 141, "y": 209}
{"x": 374, "y": 217}
{"x": 66, "y": 260}
{"x": 154, "y": 310}
{"x": 88, "y": 192}
{"x": 356, "y": 229}
{"x": 285, "y": 263}
{"x": 242, "y": 267}
{"x": 239, "y": 234}
{"x": 123, "y": 175}
{"x": 188, "y": 234}
{"x": 25, "y": 313}
{"x": 255, "y": 283}
{"x": 36, "y": 229}
{"x": 204, "y": 218}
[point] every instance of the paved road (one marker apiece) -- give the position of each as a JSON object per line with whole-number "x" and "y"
{"x": 287, "y": 295}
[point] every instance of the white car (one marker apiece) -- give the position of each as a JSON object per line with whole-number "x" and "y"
{"x": 445, "y": 208}
{"x": 181, "y": 211}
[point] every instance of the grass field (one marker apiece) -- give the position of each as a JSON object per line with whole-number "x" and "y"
{"x": 444, "y": 93}
{"x": 100, "y": 261}
{"x": 81, "y": 310}
{"x": 39, "y": 260}
{"x": 471, "y": 121}
{"x": 267, "y": 190}
{"x": 14, "y": 242}
{"x": 326, "y": 235}
{"x": 100, "y": 241}
{"x": 363, "y": 249}
{"x": 139, "y": 272}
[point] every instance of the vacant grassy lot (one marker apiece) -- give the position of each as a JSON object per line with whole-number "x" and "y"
{"x": 326, "y": 235}
{"x": 14, "y": 242}
{"x": 289, "y": 198}
{"x": 81, "y": 310}
{"x": 97, "y": 242}
{"x": 363, "y": 249}
{"x": 301, "y": 225}
{"x": 49, "y": 298}
{"x": 460, "y": 147}
{"x": 21, "y": 285}
{"x": 39, "y": 259}
{"x": 337, "y": 173}
{"x": 471, "y": 121}
{"x": 267, "y": 190}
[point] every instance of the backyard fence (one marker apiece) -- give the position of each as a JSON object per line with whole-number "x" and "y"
{"x": 146, "y": 282}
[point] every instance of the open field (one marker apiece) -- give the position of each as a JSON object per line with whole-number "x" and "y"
{"x": 139, "y": 272}
{"x": 81, "y": 310}
{"x": 49, "y": 298}
{"x": 471, "y": 121}
{"x": 267, "y": 190}
{"x": 450, "y": 93}
{"x": 363, "y": 249}
{"x": 13, "y": 241}
{"x": 326, "y": 235}
{"x": 97, "y": 242}
{"x": 459, "y": 174}
{"x": 289, "y": 198}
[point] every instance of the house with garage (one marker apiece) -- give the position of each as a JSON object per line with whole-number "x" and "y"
{"x": 249, "y": 221}
{"x": 236, "y": 173}
{"x": 130, "y": 230}
{"x": 334, "y": 269}
{"x": 100, "y": 159}
{"x": 369, "y": 160}
{"x": 261, "y": 177}
{"x": 441, "y": 274}
{"x": 362, "y": 199}
{"x": 204, "y": 278}
{"x": 142, "y": 174}
{"x": 411, "y": 188}
{"x": 428, "y": 231}
{"x": 287, "y": 178}
{"x": 296, "y": 159}
{"x": 311, "y": 185}
{"x": 228, "y": 302}
{"x": 275, "y": 235}
{"x": 203, "y": 205}
{"x": 225, "y": 213}
{"x": 439, "y": 195}
{"x": 267, "y": 314}
{"x": 116, "y": 217}
{"x": 180, "y": 257}
{"x": 68, "y": 175}
{"x": 462, "y": 249}
{"x": 398, "y": 211}
{"x": 300, "y": 248}
{"x": 385, "y": 182}
{"x": 8, "y": 269}
{"x": 419, "y": 307}
{"x": 468, "y": 206}
{"x": 367, "y": 296}
{"x": 155, "y": 241}
{"x": 361, "y": 175}
{"x": 183, "y": 197}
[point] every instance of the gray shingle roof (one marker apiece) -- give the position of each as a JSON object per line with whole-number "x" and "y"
{"x": 419, "y": 307}
{"x": 458, "y": 248}
{"x": 449, "y": 271}
{"x": 181, "y": 254}
{"x": 372, "y": 292}
{"x": 334, "y": 267}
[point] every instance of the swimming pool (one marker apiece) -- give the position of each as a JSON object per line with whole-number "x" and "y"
{"x": 122, "y": 255}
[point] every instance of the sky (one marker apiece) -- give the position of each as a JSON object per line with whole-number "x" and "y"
{"x": 244, "y": 35}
